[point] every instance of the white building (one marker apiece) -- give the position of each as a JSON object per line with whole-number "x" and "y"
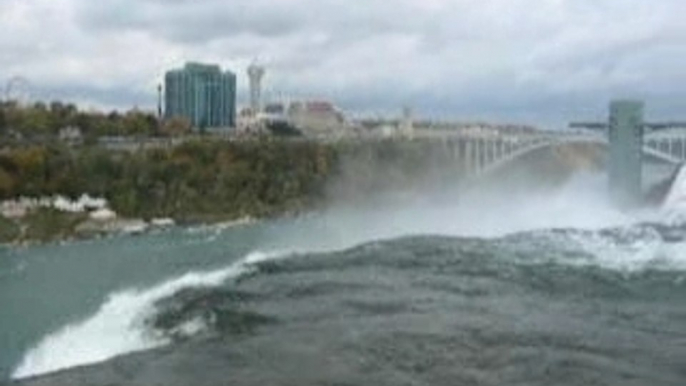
{"x": 316, "y": 117}
{"x": 70, "y": 135}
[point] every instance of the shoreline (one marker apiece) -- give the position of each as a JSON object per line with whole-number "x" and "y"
{"x": 129, "y": 227}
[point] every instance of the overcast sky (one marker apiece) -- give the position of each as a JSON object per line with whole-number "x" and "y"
{"x": 544, "y": 61}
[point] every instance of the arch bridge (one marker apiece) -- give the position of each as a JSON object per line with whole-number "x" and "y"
{"x": 628, "y": 138}
{"x": 481, "y": 154}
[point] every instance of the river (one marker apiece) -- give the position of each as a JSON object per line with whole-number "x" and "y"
{"x": 492, "y": 289}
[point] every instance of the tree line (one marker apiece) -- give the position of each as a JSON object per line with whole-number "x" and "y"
{"x": 44, "y": 121}
{"x": 205, "y": 180}
{"x": 198, "y": 180}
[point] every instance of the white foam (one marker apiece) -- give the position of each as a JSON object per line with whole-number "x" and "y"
{"x": 118, "y": 326}
{"x": 628, "y": 250}
{"x": 676, "y": 197}
{"x": 190, "y": 327}
{"x": 639, "y": 255}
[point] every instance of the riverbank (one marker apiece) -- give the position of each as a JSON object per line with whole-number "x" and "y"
{"x": 204, "y": 182}
{"x": 51, "y": 226}
{"x": 209, "y": 182}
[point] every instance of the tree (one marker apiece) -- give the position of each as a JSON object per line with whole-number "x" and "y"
{"x": 7, "y": 184}
{"x": 176, "y": 127}
{"x": 3, "y": 122}
{"x": 138, "y": 123}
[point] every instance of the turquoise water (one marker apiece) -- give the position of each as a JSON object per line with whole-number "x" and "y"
{"x": 44, "y": 288}
{"x": 382, "y": 293}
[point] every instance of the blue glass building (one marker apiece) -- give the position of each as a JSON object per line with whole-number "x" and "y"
{"x": 204, "y": 94}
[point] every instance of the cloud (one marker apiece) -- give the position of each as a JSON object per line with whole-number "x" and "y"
{"x": 542, "y": 60}
{"x": 189, "y": 22}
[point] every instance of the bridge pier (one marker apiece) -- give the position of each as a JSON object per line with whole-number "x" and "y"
{"x": 467, "y": 156}
{"x": 481, "y": 155}
{"x": 626, "y": 141}
{"x": 626, "y": 132}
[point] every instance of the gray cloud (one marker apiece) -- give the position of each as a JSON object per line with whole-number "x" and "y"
{"x": 502, "y": 59}
{"x": 189, "y": 22}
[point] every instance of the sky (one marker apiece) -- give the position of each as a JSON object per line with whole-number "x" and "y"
{"x": 540, "y": 62}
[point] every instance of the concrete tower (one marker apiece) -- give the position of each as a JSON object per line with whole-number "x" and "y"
{"x": 256, "y": 73}
{"x": 626, "y": 140}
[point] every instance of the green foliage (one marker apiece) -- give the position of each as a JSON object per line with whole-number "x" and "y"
{"x": 175, "y": 127}
{"x": 205, "y": 180}
{"x": 199, "y": 180}
{"x": 9, "y": 230}
{"x": 50, "y": 224}
{"x": 41, "y": 121}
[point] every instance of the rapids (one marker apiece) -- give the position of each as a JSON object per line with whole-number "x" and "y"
{"x": 558, "y": 289}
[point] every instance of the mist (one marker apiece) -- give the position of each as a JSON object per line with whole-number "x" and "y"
{"x": 373, "y": 201}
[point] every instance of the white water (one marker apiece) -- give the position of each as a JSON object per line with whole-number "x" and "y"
{"x": 646, "y": 252}
{"x": 676, "y": 197}
{"x": 626, "y": 249}
{"x": 118, "y": 326}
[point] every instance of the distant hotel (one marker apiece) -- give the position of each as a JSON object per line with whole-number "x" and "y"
{"x": 313, "y": 118}
{"x": 203, "y": 94}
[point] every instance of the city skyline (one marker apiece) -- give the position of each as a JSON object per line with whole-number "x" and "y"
{"x": 500, "y": 60}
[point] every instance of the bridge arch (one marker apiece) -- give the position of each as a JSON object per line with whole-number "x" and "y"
{"x": 542, "y": 143}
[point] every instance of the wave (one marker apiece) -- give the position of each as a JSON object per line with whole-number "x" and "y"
{"x": 122, "y": 324}
{"x": 119, "y": 325}
{"x": 630, "y": 249}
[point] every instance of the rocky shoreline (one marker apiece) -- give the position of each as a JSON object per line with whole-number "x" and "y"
{"x": 26, "y": 225}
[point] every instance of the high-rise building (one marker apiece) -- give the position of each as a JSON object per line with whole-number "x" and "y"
{"x": 626, "y": 141}
{"x": 203, "y": 94}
